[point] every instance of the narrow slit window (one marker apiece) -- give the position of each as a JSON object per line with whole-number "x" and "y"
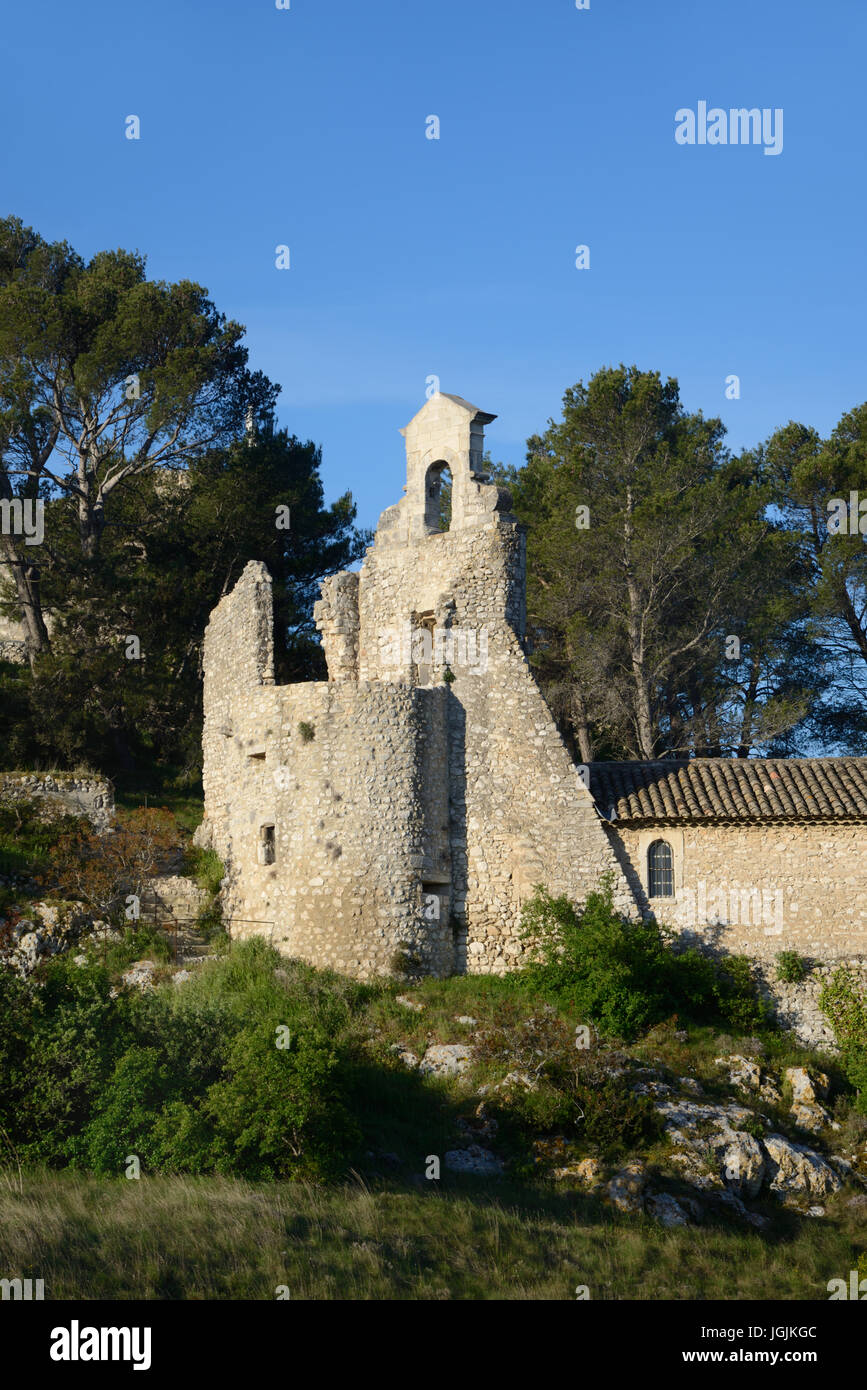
{"x": 660, "y": 870}
{"x": 267, "y": 844}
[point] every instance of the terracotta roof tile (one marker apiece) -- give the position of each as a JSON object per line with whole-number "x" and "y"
{"x": 732, "y": 789}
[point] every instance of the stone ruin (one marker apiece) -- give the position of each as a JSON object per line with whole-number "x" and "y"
{"x": 399, "y": 814}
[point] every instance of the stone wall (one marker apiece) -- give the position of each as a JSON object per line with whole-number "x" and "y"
{"x": 343, "y": 773}
{"x": 435, "y": 791}
{"x": 797, "y": 1005}
{"x": 13, "y": 650}
{"x": 78, "y": 795}
{"x": 758, "y": 889}
{"x": 13, "y": 646}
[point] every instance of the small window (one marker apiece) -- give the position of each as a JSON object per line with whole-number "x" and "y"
{"x": 266, "y": 844}
{"x": 660, "y": 870}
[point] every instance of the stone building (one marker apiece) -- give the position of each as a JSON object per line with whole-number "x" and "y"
{"x": 404, "y": 809}
{"x": 753, "y": 855}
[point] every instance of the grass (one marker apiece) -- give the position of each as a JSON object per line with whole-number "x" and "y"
{"x": 183, "y": 1238}
{"x": 389, "y": 1233}
{"x": 169, "y": 788}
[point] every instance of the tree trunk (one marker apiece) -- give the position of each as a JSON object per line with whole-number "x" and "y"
{"x": 746, "y": 742}
{"x": 581, "y": 725}
{"x": 26, "y": 579}
{"x": 643, "y": 717}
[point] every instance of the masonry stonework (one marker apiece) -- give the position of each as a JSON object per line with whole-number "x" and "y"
{"x": 72, "y": 794}
{"x": 400, "y": 813}
{"x": 408, "y": 806}
{"x": 760, "y": 889}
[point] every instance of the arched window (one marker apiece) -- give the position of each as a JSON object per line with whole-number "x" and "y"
{"x": 660, "y": 870}
{"x": 438, "y": 497}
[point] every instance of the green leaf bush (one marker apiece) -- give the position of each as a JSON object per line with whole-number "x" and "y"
{"x": 624, "y": 975}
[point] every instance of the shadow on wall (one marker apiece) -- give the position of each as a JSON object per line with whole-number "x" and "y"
{"x": 457, "y": 733}
{"x": 630, "y": 873}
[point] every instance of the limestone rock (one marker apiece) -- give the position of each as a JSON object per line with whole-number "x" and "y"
{"x": 692, "y": 1170}
{"x": 770, "y": 1091}
{"x": 666, "y": 1209}
{"x": 446, "y": 1059}
{"x": 717, "y": 1129}
{"x": 517, "y": 1078}
{"x": 405, "y": 1054}
{"x": 744, "y": 1072}
{"x": 412, "y": 1004}
{"x": 476, "y": 1160}
{"x": 140, "y": 975}
{"x": 651, "y": 1088}
{"x": 795, "y": 1169}
{"x": 691, "y": 1084}
{"x": 743, "y": 1164}
{"x": 625, "y": 1189}
{"x": 806, "y": 1089}
{"x": 588, "y": 1172}
{"x": 813, "y": 1118}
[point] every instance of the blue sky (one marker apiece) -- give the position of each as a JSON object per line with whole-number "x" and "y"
{"x": 456, "y": 257}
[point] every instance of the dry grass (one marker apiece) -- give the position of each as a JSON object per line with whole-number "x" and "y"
{"x": 183, "y": 1238}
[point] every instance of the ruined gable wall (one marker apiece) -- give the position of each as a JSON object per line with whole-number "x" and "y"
{"x": 518, "y": 812}
{"x": 529, "y": 818}
{"x": 238, "y": 668}
{"x": 72, "y": 793}
{"x": 471, "y": 579}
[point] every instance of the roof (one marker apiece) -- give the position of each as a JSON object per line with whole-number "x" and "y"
{"x": 719, "y": 790}
{"x": 473, "y": 410}
{"x": 483, "y": 416}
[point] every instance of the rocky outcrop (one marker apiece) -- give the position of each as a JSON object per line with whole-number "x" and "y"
{"x": 47, "y": 930}
{"x": 476, "y": 1160}
{"x": 715, "y": 1152}
{"x": 446, "y": 1059}
{"x": 797, "y": 1171}
{"x": 626, "y": 1188}
{"x": 806, "y": 1111}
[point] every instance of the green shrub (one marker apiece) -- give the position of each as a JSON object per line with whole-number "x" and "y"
{"x": 307, "y": 732}
{"x": 791, "y": 968}
{"x": 576, "y": 1091}
{"x": 207, "y": 868}
{"x": 843, "y": 1002}
{"x": 189, "y": 1080}
{"x": 279, "y": 1111}
{"x": 624, "y": 976}
{"x": 55, "y": 1070}
{"x": 123, "y": 1123}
